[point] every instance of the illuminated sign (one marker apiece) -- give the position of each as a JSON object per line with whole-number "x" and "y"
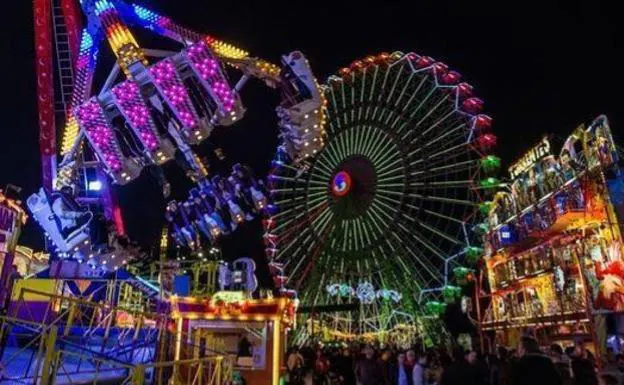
{"x": 228, "y": 296}
{"x": 529, "y": 159}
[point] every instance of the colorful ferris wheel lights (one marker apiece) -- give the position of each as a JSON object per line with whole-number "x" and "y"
{"x": 392, "y": 193}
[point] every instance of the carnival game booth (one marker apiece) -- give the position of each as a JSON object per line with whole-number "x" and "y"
{"x": 251, "y": 330}
{"x": 553, "y": 242}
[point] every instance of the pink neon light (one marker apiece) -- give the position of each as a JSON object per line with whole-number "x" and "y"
{"x": 172, "y": 89}
{"x": 207, "y": 67}
{"x": 91, "y": 118}
{"x": 131, "y": 104}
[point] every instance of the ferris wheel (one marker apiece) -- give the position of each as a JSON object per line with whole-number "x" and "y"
{"x": 388, "y": 202}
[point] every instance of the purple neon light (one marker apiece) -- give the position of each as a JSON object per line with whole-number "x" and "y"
{"x": 206, "y": 66}
{"x": 92, "y": 120}
{"x": 132, "y": 105}
{"x": 170, "y": 86}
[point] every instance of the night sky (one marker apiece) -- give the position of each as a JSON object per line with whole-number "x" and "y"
{"x": 540, "y": 67}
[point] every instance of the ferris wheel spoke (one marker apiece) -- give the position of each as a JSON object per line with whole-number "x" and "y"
{"x": 303, "y": 242}
{"x": 439, "y": 153}
{"x": 365, "y": 228}
{"x": 405, "y": 86}
{"x": 390, "y": 209}
{"x": 435, "y": 140}
{"x": 381, "y": 148}
{"x": 371, "y": 140}
{"x": 343, "y": 100}
{"x": 442, "y": 199}
{"x": 353, "y": 141}
{"x": 360, "y": 139}
{"x": 384, "y": 166}
{"x": 435, "y": 185}
{"x": 450, "y": 138}
{"x": 324, "y": 218}
{"x": 418, "y": 237}
{"x": 353, "y": 97}
{"x": 319, "y": 175}
{"x": 413, "y": 113}
{"x": 433, "y": 230}
{"x": 378, "y": 101}
{"x": 391, "y": 201}
{"x": 323, "y": 185}
{"x": 300, "y": 217}
{"x": 343, "y": 142}
{"x": 423, "y": 262}
{"x": 374, "y": 220}
{"x": 335, "y": 105}
{"x": 374, "y": 82}
{"x": 394, "y": 84}
{"x": 326, "y": 169}
{"x": 463, "y": 165}
{"x": 390, "y": 175}
{"x": 338, "y": 146}
{"x": 381, "y": 213}
{"x": 362, "y": 90}
{"x": 435, "y": 213}
{"x": 416, "y": 92}
{"x": 391, "y": 93}
{"x": 431, "y": 112}
{"x": 290, "y": 179}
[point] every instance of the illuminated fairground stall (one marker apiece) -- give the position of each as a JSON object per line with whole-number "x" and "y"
{"x": 252, "y": 331}
{"x": 553, "y": 246}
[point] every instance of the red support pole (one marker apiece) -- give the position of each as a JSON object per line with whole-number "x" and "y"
{"x": 45, "y": 89}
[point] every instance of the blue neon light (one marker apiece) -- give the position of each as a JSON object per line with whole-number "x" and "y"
{"x": 144, "y": 13}
{"x": 102, "y": 6}
{"x": 86, "y": 42}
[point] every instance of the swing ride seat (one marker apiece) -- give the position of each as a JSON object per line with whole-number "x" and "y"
{"x": 41, "y": 209}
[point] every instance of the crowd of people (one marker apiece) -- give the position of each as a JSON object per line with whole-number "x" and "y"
{"x": 526, "y": 365}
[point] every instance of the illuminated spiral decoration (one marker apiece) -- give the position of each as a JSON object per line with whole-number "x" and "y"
{"x": 390, "y": 198}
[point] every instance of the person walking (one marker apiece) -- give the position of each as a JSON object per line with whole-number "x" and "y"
{"x": 418, "y": 372}
{"x": 386, "y": 365}
{"x": 398, "y": 371}
{"x": 367, "y": 370}
{"x": 461, "y": 371}
{"x": 562, "y": 363}
{"x": 533, "y": 367}
{"x": 583, "y": 372}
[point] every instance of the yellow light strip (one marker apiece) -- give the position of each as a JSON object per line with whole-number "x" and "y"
{"x": 226, "y": 50}
{"x": 276, "y": 352}
{"x": 69, "y": 134}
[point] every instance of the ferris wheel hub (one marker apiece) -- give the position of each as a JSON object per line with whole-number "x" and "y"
{"x": 341, "y": 184}
{"x": 352, "y": 187}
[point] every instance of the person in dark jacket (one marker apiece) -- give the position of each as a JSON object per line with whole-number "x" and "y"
{"x": 562, "y": 363}
{"x": 533, "y": 368}
{"x": 461, "y": 371}
{"x": 367, "y": 370}
{"x": 583, "y": 372}
{"x": 386, "y": 364}
{"x": 344, "y": 367}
